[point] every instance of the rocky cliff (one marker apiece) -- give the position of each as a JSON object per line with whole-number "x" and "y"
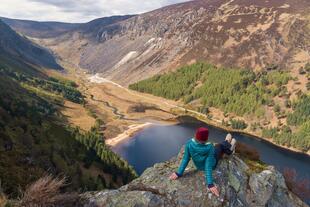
{"x": 240, "y": 185}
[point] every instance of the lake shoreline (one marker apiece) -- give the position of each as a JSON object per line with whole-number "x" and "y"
{"x": 242, "y": 132}
{"x": 127, "y": 134}
{"x": 135, "y": 129}
{"x": 161, "y": 142}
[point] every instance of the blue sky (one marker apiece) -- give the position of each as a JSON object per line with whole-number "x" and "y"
{"x": 76, "y": 10}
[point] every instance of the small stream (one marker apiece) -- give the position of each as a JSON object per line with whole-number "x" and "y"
{"x": 114, "y": 110}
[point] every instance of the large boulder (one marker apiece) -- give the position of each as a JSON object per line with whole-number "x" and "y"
{"x": 239, "y": 186}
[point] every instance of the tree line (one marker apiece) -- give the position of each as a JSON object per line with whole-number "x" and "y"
{"x": 65, "y": 88}
{"x": 239, "y": 91}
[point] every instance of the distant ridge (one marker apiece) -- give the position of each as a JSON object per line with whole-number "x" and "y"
{"x": 49, "y": 29}
{"x": 39, "y": 29}
{"x": 18, "y": 48}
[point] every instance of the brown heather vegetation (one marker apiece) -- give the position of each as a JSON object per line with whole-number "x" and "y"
{"x": 47, "y": 192}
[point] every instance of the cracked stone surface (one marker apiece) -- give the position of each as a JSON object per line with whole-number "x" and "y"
{"x": 237, "y": 187}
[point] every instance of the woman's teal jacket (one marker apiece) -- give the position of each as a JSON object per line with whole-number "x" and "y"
{"x": 202, "y": 156}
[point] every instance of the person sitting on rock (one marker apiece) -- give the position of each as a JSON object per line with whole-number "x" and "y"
{"x": 205, "y": 156}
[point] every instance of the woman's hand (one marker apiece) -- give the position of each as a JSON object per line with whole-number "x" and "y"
{"x": 215, "y": 191}
{"x": 173, "y": 176}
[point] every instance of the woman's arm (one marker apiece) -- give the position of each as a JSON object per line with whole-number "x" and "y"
{"x": 209, "y": 164}
{"x": 184, "y": 163}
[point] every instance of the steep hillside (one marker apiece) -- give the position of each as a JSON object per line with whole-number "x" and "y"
{"x": 35, "y": 138}
{"x": 79, "y": 38}
{"x": 18, "y": 48}
{"x": 251, "y": 34}
{"x": 39, "y": 29}
{"x": 260, "y": 103}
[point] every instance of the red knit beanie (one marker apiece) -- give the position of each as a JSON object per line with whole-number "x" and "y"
{"x": 202, "y": 134}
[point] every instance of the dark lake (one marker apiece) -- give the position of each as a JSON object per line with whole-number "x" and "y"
{"x": 160, "y": 143}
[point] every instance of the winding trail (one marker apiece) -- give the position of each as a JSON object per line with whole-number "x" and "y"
{"x": 115, "y": 110}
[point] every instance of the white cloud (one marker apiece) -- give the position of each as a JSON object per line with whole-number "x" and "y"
{"x": 76, "y": 10}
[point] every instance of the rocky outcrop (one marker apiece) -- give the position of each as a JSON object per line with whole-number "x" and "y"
{"x": 239, "y": 186}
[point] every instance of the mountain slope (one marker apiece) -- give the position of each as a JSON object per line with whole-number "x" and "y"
{"x": 15, "y": 47}
{"x": 252, "y": 34}
{"x": 39, "y": 29}
{"x": 71, "y": 44}
{"x": 94, "y": 27}
{"x": 35, "y": 138}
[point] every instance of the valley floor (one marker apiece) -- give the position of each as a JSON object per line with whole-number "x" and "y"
{"x": 120, "y": 109}
{"x": 124, "y": 112}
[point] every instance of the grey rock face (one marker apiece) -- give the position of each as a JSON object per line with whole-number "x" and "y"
{"x": 238, "y": 187}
